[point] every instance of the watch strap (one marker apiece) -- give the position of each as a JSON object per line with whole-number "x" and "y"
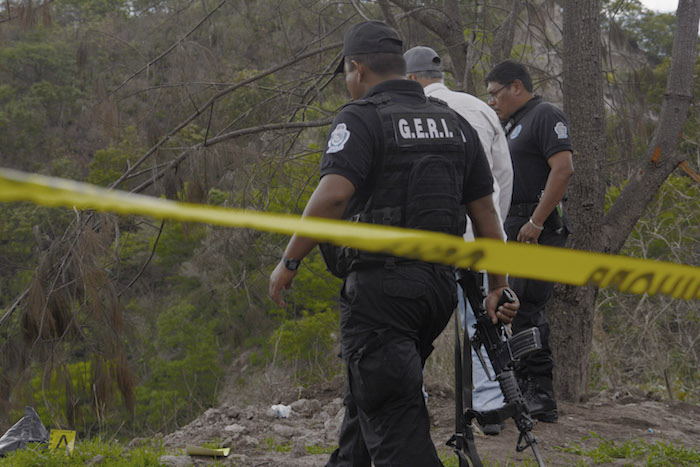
{"x": 291, "y": 264}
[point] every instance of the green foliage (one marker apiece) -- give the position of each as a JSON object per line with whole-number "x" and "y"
{"x": 246, "y": 101}
{"x": 671, "y": 223}
{"x": 314, "y": 290}
{"x": 316, "y": 449}
{"x": 177, "y": 242}
{"x": 135, "y": 243}
{"x": 308, "y": 337}
{"x": 217, "y": 197}
{"x": 31, "y": 62}
{"x": 652, "y": 454}
{"x": 291, "y": 189}
{"x": 184, "y": 370}
{"x": 38, "y": 95}
{"x": 661, "y": 354}
{"x": 52, "y": 390}
{"x": 636, "y": 93}
{"x": 22, "y": 226}
{"x": 109, "y": 164}
{"x": 449, "y": 459}
{"x": 652, "y": 32}
{"x": 271, "y": 444}
{"x": 115, "y": 455}
{"x": 84, "y": 11}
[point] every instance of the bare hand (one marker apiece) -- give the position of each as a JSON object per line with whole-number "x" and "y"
{"x": 528, "y": 233}
{"x": 281, "y": 278}
{"x": 505, "y": 312}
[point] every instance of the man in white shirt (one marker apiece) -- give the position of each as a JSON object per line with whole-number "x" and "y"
{"x": 423, "y": 65}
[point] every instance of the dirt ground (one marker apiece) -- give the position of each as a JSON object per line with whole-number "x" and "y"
{"x": 258, "y": 437}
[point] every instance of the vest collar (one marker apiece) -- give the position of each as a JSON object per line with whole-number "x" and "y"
{"x": 396, "y": 85}
{"x": 520, "y": 113}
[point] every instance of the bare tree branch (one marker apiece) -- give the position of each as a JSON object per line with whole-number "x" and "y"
{"x": 216, "y": 97}
{"x": 170, "y": 49}
{"x": 505, "y": 34}
{"x": 661, "y": 157}
{"x": 448, "y": 27}
{"x": 226, "y": 136}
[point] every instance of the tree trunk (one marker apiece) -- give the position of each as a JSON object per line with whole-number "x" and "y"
{"x": 448, "y": 26}
{"x": 572, "y": 309}
{"x": 661, "y": 157}
{"x": 505, "y": 34}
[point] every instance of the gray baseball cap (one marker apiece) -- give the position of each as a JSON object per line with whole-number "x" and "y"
{"x": 422, "y": 59}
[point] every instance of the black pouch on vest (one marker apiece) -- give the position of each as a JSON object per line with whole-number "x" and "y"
{"x": 335, "y": 259}
{"x": 432, "y": 197}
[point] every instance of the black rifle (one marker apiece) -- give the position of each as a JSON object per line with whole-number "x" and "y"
{"x": 503, "y": 351}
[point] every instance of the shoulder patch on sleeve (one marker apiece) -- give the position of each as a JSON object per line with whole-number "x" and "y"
{"x": 339, "y": 137}
{"x": 561, "y": 130}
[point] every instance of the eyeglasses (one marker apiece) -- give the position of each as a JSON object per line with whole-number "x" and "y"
{"x": 494, "y": 95}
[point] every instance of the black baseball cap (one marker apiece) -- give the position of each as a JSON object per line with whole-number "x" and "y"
{"x": 422, "y": 59}
{"x": 370, "y": 37}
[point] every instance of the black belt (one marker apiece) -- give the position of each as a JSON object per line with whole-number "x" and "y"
{"x": 522, "y": 209}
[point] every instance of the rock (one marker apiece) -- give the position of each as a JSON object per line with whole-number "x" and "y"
{"x": 284, "y": 430}
{"x": 175, "y": 461}
{"x": 332, "y": 425}
{"x": 235, "y": 428}
{"x": 298, "y": 448}
{"x": 334, "y": 406}
{"x": 315, "y": 406}
{"x": 212, "y": 414}
{"x": 238, "y": 459}
{"x": 250, "y": 412}
{"x": 233, "y": 412}
{"x": 227, "y": 442}
{"x": 306, "y": 407}
{"x": 300, "y": 405}
{"x": 98, "y": 459}
{"x": 250, "y": 441}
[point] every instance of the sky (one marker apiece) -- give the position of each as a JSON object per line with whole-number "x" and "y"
{"x": 663, "y": 6}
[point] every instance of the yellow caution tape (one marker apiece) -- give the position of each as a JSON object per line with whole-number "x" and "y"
{"x": 533, "y": 261}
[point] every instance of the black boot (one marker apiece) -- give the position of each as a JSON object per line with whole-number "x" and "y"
{"x": 539, "y": 397}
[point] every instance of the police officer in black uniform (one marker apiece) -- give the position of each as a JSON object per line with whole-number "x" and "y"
{"x": 541, "y": 150}
{"x": 393, "y": 157}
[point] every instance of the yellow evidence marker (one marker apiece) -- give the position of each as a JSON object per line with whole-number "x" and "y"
{"x": 62, "y": 439}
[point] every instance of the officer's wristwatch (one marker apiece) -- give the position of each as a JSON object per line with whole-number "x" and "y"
{"x": 291, "y": 264}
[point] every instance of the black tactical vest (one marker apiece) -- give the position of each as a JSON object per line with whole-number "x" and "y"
{"x": 418, "y": 181}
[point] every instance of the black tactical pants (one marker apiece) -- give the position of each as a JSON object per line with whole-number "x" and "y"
{"x": 389, "y": 319}
{"x": 534, "y": 295}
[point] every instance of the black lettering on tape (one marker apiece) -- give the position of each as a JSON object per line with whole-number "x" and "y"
{"x": 469, "y": 260}
{"x": 681, "y": 293}
{"x": 696, "y": 292}
{"x": 648, "y": 277}
{"x": 672, "y": 289}
{"x": 597, "y": 276}
{"x": 617, "y": 279}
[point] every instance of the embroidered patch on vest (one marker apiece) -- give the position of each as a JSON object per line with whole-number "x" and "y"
{"x": 516, "y": 131}
{"x": 338, "y": 138}
{"x": 561, "y": 130}
{"x": 411, "y": 129}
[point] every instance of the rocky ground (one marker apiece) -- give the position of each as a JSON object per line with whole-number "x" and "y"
{"x": 259, "y": 437}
